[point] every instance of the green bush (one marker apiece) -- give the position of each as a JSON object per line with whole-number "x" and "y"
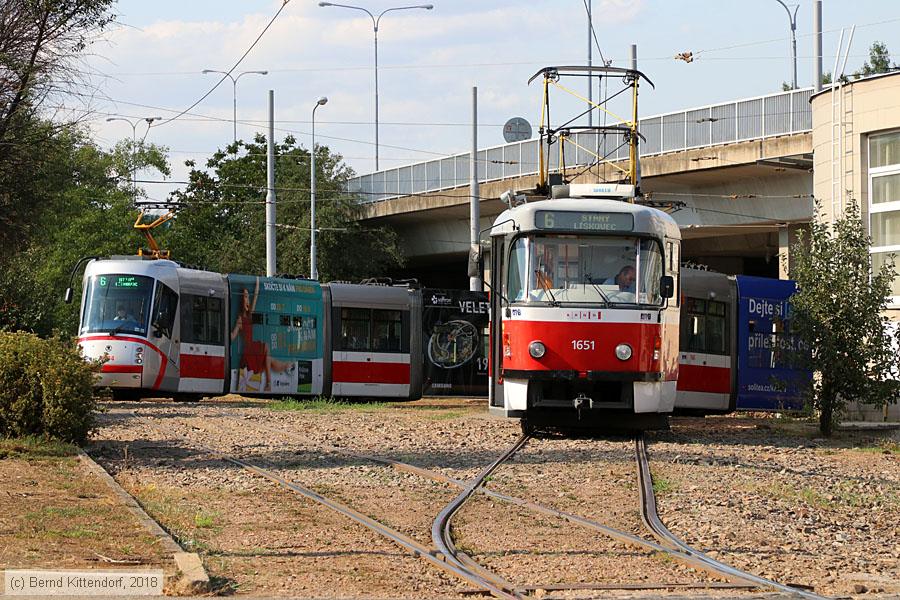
{"x": 46, "y": 388}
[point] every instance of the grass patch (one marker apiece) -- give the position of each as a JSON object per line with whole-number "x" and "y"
{"x": 75, "y": 533}
{"x": 325, "y": 405}
{"x": 663, "y": 557}
{"x": 204, "y": 520}
{"x": 884, "y": 447}
{"x": 814, "y": 498}
{"x": 178, "y": 517}
{"x": 661, "y": 485}
{"x": 841, "y": 494}
{"x": 35, "y": 447}
{"x": 54, "y": 511}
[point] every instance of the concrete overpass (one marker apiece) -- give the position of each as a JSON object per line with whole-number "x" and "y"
{"x": 740, "y": 172}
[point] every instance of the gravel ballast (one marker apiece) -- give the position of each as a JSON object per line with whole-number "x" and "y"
{"x": 761, "y": 494}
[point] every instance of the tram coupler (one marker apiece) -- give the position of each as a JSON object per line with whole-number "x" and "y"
{"x": 580, "y": 401}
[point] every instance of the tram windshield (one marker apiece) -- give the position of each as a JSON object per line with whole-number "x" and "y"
{"x": 585, "y": 270}
{"x": 117, "y": 304}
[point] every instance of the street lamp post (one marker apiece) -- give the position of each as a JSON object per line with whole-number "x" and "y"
{"x": 133, "y": 123}
{"x": 234, "y": 81}
{"x": 313, "y": 271}
{"x": 375, "y": 22}
{"x": 793, "y": 19}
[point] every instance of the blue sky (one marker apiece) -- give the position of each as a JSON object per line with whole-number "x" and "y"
{"x": 430, "y": 59}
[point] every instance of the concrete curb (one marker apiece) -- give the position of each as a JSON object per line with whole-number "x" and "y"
{"x": 193, "y": 579}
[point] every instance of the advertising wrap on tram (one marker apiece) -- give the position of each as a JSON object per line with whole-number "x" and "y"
{"x": 276, "y": 335}
{"x": 770, "y": 371}
{"x": 455, "y": 324}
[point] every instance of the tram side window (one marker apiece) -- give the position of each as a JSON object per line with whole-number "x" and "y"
{"x": 355, "y": 328}
{"x": 652, "y": 267}
{"x": 201, "y": 320}
{"x": 696, "y": 325}
{"x": 386, "y": 330}
{"x": 716, "y": 332}
{"x": 706, "y": 330}
{"x": 165, "y": 308}
{"x": 674, "y": 269}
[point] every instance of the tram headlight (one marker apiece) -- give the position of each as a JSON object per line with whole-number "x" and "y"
{"x": 623, "y": 351}
{"x": 139, "y": 355}
{"x": 537, "y": 349}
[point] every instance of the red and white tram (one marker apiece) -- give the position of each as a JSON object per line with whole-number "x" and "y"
{"x": 376, "y": 341}
{"x": 585, "y": 315}
{"x": 708, "y": 358}
{"x": 165, "y": 330}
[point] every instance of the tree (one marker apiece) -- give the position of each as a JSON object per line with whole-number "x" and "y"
{"x": 879, "y": 61}
{"x": 839, "y": 315}
{"x": 88, "y": 209}
{"x": 220, "y": 221}
{"x": 40, "y": 43}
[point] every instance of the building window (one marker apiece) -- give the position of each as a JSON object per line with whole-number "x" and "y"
{"x": 884, "y": 202}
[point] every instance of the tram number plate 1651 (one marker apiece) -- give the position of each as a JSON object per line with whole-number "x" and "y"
{"x": 582, "y": 344}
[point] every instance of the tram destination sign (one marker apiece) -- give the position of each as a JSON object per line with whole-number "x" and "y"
{"x": 570, "y": 220}
{"x": 120, "y": 281}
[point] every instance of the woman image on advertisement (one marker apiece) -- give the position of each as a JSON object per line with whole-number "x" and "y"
{"x": 254, "y": 354}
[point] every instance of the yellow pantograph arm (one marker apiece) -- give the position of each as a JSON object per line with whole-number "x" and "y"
{"x": 594, "y": 104}
{"x": 541, "y": 174}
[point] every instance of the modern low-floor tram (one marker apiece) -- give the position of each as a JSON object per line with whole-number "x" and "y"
{"x": 165, "y": 330}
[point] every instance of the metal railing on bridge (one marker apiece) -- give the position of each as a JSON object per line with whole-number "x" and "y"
{"x": 737, "y": 121}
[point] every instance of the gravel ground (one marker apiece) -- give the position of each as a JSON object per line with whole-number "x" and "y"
{"x": 775, "y": 500}
{"x": 769, "y": 500}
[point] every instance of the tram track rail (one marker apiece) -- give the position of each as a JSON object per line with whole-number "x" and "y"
{"x": 669, "y": 544}
{"x": 650, "y": 517}
{"x": 448, "y": 558}
{"x": 454, "y": 567}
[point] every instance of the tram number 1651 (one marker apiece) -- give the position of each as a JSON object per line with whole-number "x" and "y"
{"x": 582, "y": 344}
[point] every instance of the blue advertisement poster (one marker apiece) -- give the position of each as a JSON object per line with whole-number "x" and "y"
{"x": 276, "y": 335}
{"x": 770, "y": 373}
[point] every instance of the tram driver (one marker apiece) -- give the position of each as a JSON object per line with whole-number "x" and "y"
{"x": 624, "y": 279}
{"x": 122, "y": 314}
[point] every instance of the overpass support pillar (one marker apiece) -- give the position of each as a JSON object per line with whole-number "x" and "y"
{"x": 787, "y": 237}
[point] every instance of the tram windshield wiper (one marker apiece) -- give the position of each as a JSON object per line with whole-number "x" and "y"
{"x": 588, "y": 279}
{"x": 546, "y": 283}
{"x": 117, "y": 330}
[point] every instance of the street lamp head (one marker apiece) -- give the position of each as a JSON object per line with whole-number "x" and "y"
{"x": 325, "y": 4}
{"x": 263, "y": 72}
{"x": 151, "y": 119}
{"x": 206, "y": 71}
{"x": 428, "y": 6}
{"x": 322, "y": 100}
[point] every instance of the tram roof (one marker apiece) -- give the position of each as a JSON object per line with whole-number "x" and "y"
{"x": 130, "y": 265}
{"x": 647, "y": 220}
{"x": 381, "y": 296}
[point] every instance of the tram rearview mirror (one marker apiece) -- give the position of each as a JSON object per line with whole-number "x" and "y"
{"x": 667, "y": 286}
{"x": 68, "y": 297}
{"x": 476, "y": 262}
